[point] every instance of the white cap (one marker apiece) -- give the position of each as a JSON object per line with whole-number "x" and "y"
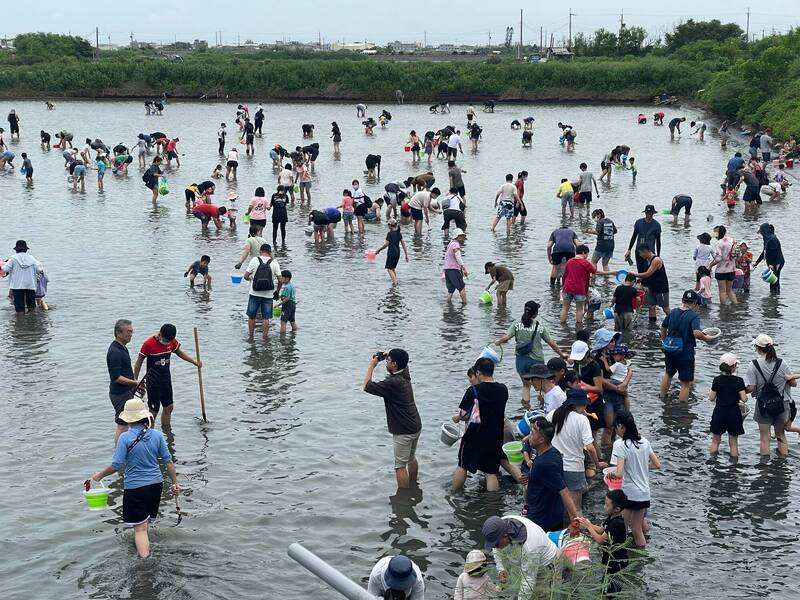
{"x": 579, "y": 350}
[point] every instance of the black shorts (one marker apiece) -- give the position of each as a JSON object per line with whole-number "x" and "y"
{"x": 725, "y": 276}
{"x": 151, "y": 183}
{"x": 204, "y": 218}
{"x": 321, "y": 220}
{"x": 118, "y": 402}
{"x": 23, "y": 299}
{"x": 520, "y": 211}
{"x": 360, "y": 209}
{"x": 159, "y": 395}
{"x": 584, "y": 197}
{"x": 604, "y": 165}
{"x": 454, "y": 280}
{"x": 190, "y": 196}
{"x": 172, "y": 154}
{"x": 140, "y": 505}
{"x": 683, "y": 367}
{"x": 461, "y": 190}
{"x": 417, "y": 214}
{"x": 287, "y": 311}
{"x": 232, "y": 164}
{"x": 637, "y": 505}
{"x": 391, "y": 261}
{"x": 559, "y": 257}
{"x": 452, "y": 152}
{"x": 259, "y": 222}
{"x": 249, "y": 139}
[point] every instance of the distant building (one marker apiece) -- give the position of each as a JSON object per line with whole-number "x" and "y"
{"x": 6, "y": 43}
{"x": 407, "y": 47}
{"x": 352, "y": 46}
{"x": 445, "y": 48}
{"x": 560, "y": 53}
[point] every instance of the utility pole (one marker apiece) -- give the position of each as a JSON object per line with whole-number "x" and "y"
{"x": 97, "y": 42}
{"x": 748, "y": 25}
{"x": 425, "y": 39}
{"x": 570, "y": 29}
{"x": 621, "y": 24}
{"x": 319, "y": 34}
{"x": 490, "y": 41}
{"x": 109, "y": 41}
{"x": 519, "y": 49}
{"x": 541, "y": 39}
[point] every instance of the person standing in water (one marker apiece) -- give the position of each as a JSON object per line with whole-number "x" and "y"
{"x": 675, "y": 125}
{"x": 23, "y": 270}
{"x": 454, "y": 268}
{"x": 771, "y": 254}
{"x": 157, "y": 351}
{"x": 120, "y": 372}
{"x": 139, "y": 450}
{"x": 585, "y": 181}
{"x": 13, "y": 124}
{"x": 402, "y": 417}
{"x": 394, "y": 241}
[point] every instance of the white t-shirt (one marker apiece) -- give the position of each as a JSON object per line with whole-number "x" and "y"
{"x": 454, "y": 141}
{"x": 276, "y": 271}
{"x": 619, "y": 371}
{"x": 420, "y": 200}
{"x": 636, "y": 470}
{"x": 233, "y": 155}
{"x": 507, "y": 192}
{"x": 554, "y": 398}
{"x": 285, "y": 178}
{"x": 570, "y": 441}
{"x": 539, "y": 552}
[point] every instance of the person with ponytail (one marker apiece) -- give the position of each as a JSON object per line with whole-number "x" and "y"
{"x": 138, "y": 450}
{"x": 529, "y": 333}
{"x": 573, "y": 437}
{"x": 771, "y": 254}
{"x": 769, "y": 374}
{"x": 634, "y": 458}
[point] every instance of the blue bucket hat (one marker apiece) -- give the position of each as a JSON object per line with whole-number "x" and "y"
{"x": 399, "y": 574}
{"x": 576, "y": 397}
{"x": 603, "y": 337}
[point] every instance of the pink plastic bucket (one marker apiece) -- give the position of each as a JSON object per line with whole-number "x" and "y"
{"x": 576, "y": 552}
{"x": 613, "y": 484}
{"x": 370, "y": 254}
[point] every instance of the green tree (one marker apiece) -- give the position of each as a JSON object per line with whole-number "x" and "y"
{"x": 43, "y": 47}
{"x": 694, "y": 31}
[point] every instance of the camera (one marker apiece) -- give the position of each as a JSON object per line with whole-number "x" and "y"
{"x": 380, "y": 356}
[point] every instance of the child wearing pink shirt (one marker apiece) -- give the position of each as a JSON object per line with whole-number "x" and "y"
{"x": 348, "y": 211}
{"x": 704, "y": 285}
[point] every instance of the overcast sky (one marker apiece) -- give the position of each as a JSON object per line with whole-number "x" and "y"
{"x": 445, "y": 21}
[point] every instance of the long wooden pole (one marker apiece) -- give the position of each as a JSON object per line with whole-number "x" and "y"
{"x": 200, "y": 376}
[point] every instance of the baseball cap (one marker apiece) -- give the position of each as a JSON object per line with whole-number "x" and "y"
{"x": 762, "y": 341}
{"x": 649, "y": 209}
{"x": 556, "y": 364}
{"x": 578, "y": 350}
{"x": 691, "y": 297}
{"x": 729, "y": 358}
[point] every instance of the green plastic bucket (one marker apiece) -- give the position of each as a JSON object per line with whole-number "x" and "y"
{"x": 97, "y": 499}
{"x": 513, "y": 451}
{"x": 277, "y": 311}
{"x": 485, "y": 298}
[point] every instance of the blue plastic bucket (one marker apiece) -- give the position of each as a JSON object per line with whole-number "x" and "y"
{"x": 608, "y": 313}
{"x": 236, "y": 277}
{"x": 621, "y": 275}
{"x": 492, "y": 355}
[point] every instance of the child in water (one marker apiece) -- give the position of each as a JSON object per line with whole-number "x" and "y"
{"x": 232, "y": 209}
{"x": 702, "y": 253}
{"x": 287, "y": 302}
{"x": 703, "y": 285}
{"x": 612, "y": 534}
{"x": 348, "y": 211}
{"x": 634, "y": 170}
{"x": 727, "y": 391}
{"x": 474, "y": 583}
{"x": 199, "y": 267}
{"x": 217, "y": 172}
{"x": 744, "y": 259}
{"x": 394, "y": 240}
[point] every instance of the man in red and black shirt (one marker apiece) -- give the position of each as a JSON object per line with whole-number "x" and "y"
{"x": 158, "y": 351}
{"x": 207, "y": 212}
{"x": 577, "y": 273}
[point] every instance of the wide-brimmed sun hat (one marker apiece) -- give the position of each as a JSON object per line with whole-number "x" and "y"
{"x": 135, "y": 410}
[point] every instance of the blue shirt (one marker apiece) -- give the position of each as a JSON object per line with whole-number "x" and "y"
{"x": 734, "y": 164}
{"x": 141, "y": 461}
{"x": 683, "y": 324}
{"x": 545, "y": 483}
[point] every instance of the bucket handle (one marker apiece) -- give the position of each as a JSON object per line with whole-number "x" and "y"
{"x": 90, "y": 481}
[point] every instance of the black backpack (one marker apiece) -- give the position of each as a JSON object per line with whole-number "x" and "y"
{"x": 262, "y": 278}
{"x": 770, "y": 399}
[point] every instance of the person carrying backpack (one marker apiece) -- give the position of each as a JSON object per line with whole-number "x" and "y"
{"x": 679, "y": 330}
{"x": 766, "y": 380}
{"x": 263, "y": 273}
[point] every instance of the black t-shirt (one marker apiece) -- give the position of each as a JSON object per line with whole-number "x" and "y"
{"x": 611, "y": 554}
{"x": 492, "y": 399}
{"x": 372, "y": 161}
{"x": 605, "y": 230}
{"x": 624, "y": 296}
{"x": 249, "y": 128}
{"x": 118, "y": 361}
{"x": 674, "y": 122}
{"x": 587, "y": 373}
{"x": 152, "y": 173}
{"x": 393, "y": 237}
{"x": 727, "y": 388}
{"x": 279, "y": 202}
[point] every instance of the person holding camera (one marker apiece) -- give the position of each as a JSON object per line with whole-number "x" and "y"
{"x": 402, "y": 417}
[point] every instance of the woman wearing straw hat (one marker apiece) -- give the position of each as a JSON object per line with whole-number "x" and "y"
{"x": 138, "y": 450}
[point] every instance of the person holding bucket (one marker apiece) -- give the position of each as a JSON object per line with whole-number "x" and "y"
{"x": 529, "y": 333}
{"x": 612, "y": 534}
{"x": 139, "y": 450}
{"x": 772, "y": 255}
{"x": 483, "y": 408}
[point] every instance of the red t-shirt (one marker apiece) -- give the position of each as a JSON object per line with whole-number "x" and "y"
{"x": 171, "y": 145}
{"x": 577, "y": 272}
{"x": 520, "y": 185}
{"x": 207, "y": 209}
{"x": 158, "y": 356}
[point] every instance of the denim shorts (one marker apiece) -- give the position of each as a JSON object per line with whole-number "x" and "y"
{"x": 524, "y": 364}
{"x": 575, "y": 481}
{"x": 613, "y": 402}
{"x": 576, "y": 297}
{"x": 598, "y": 254}
{"x": 254, "y": 303}
{"x": 348, "y": 216}
{"x": 566, "y": 199}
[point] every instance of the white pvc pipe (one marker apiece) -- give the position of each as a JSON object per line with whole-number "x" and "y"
{"x": 339, "y": 582}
